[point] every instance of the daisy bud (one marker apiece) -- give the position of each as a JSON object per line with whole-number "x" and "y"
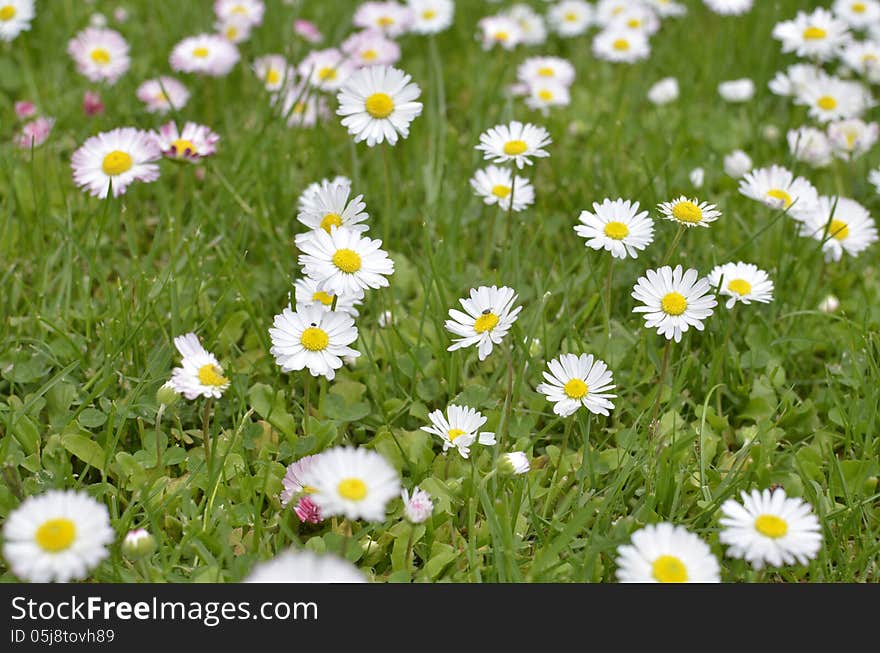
{"x": 120, "y": 14}
{"x": 535, "y": 347}
{"x": 25, "y": 109}
{"x": 697, "y": 176}
{"x": 737, "y": 90}
{"x": 307, "y": 30}
{"x": 167, "y": 395}
{"x": 514, "y": 463}
{"x": 830, "y": 304}
{"x": 98, "y": 20}
{"x": 664, "y": 91}
{"x": 418, "y": 507}
{"x": 737, "y": 163}
{"x": 770, "y": 133}
{"x": 138, "y": 544}
{"x": 307, "y": 511}
{"x": 386, "y": 319}
{"x": 92, "y": 105}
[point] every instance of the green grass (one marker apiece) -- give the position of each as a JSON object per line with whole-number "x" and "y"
{"x": 93, "y": 293}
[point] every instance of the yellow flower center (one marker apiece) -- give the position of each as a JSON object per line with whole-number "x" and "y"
{"x": 452, "y": 434}
{"x": 814, "y": 33}
{"x": 386, "y": 21}
{"x": 740, "y": 286}
{"x": 501, "y": 191}
{"x": 353, "y": 489}
{"x": 858, "y": 7}
{"x": 571, "y": 16}
{"x": 273, "y": 76}
{"x": 200, "y": 52}
{"x": 327, "y": 73}
{"x": 369, "y": 55}
{"x": 181, "y": 146}
{"x": 379, "y": 105}
{"x": 486, "y": 322}
{"x": 514, "y": 148}
{"x": 231, "y": 32}
{"x": 428, "y": 14}
{"x": 56, "y": 535}
{"x": 621, "y": 45}
{"x": 101, "y": 56}
{"x": 669, "y": 569}
{"x": 314, "y": 339}
{"x": 576, "y": 389}
{"x": 771, "y": 526}
{"x": 331, "y": 220}
{"x": 325, "y": 298}
{"x": 673, "y": 303}
{"x": 347, "y": 260}
{"x": 869, "y": 58}
{"x": 687, "y": 212}
{"x": 501, "y": 36}
{"x": 211, "y": 375}
{"x": 8, "y": 13}
{"x": 617, "y": 10}
{"x": 779, "y": 194}
{"x": 616, "y": 230}
{"x": 838, "y": 229}
{"x": 160, "y": 97}
{"x": 827, "y": 102}
{"x": 116, "y": 163}
{"x": 299, "y": 107}
{"x": 546, "y": 71}
{"x": 239, "y": 9}
{"x": 545, "y": 95}
{"x": 633, "y": 23}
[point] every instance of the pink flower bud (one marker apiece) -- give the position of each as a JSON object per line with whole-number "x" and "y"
{"x": 25, "y": 109}
{"x": 307, "y": 511}
{"x": 308, "y": 30}
{"x": 92, "y": 105}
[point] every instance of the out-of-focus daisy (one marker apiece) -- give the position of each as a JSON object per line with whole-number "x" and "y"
{"x": 742, "y": 282}
{"x": 305, "y": 567}
{"x": 795, "y": 79}
{"x": 163, "y": 94}
{"x": 500, "y": 30}
{"x": 193, "y": 143}
{"x": 308, "y": 30}
{"x": 307, "y": 294}
{"x": 667, "y": 8}
{"x": 204, "y": 54}
{"x": 235, "y": 29}
{"x": 863, "y": 57}
{"x": 858, "y": 14}
{"x": 570, "y": 17}
{"x": 355, "y": 483}
{"x": 689, "y": 212}
{"x": 532, "y": 28}
{"x": 494, "y": 185}
{"x": 430, "y": 16}
{"x": 830, "y": 98}
{"x": 99, "y": 54}
{"x": 778, "y": 188}
{"x": 616, "y": 226}
{"x": 829, "y": 304}
{"x": 118, "y": 157}
{"x": 852, "y": 138}
{"x": 663, "y": 553}
{"x": 608, "y": 10}
{"x": 810, "y": 145}
{"x": 274, "y": 71}
{"x": 24, "y": 109}
{"x": 314, "y": 338}
{"x": 697, "y": 177}
{"x": 729, "y": 7}
{"x": 34, "y": 133}
{"x": 817, "y": 35}
{"x": 418, "y": 506}
{"x": 200, "y": 375}
{"x": 737, "y": 163}
{"x": 769, "y": 527}
{"x": 326, "y": 69}
{"x": 737, "y": 90}
{"x": 56, "y": 536}
{"x": 15, "y": 18}
{"x": 874, "y": 178}
{"x": 251, "y": 11}
{"x": 575, "y": 381}
{"x": 371, "y": 48}
{"x": 621, "y": 46}
{"x": 331, "y": 207}
{"x": 377, "y": 104}
{"x": 488, "y": 316}
{"x": 664, "y": 91}
{"x": 459, "y": 428}
{"x": 537, "y": 69}
{"x": 344, "y": 262}
{"x": 636, "y": 17}
{"x": 390, "y": 18}
{"x": 291, "y": 483}
{"x": 674, "y": 300}
{"x": 545, "y": 94}
{"x": 301, "y": 105}
{"x": 515, "y": 142}
{"x": 842, "y": 224}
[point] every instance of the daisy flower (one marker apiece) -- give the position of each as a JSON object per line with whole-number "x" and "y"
{"x": 697, "y": 176}
{"x": 25, "y": 109}
{"x": 307, "y": 294}
{"x": 274, "y": 71}
{"x": 163, "y": 94}
{"x": 874, "y": 178}
{"x": 193, "y": 143}
{"x": 57, "y": 536}
{"x": 795, "y": 79}
{"x": 516, "y": 142}
{"x": 674, "y": 300}
{"x": 538, "y": 69}
{"x": 418, "y": 506}
{"x": 205, "y": 54}
{"x": 769, "y": 527}
{"x": 817, "y": 35}
{"x": 830, "y": 98}
{"x": 667, "y": 8}
{"x": 116, "y": 158}
{"x": 858, "y": 14}
{"x": 344, "y": 262}
{"x": 430, "y": 16}
{"x": 235, "y": 29}
{"x": 356, "y": 483}
{"x": 863, "y": 57}
{"x": 15, "y": 18}
{"x": 488, "y": 316}
{"x": 494, "y": 185}
{"x": 737, "y": 90}
{"x": 689, "y": 213}
{"x": 250, "y": 11}
{"x": 377, "y": 104}
{"x": 390, "y": 18}
{"x": 842, "y": 224}
{"x": 308, "y": 199}
{"x": 99, "y": 54}
{"x": 570, "y": 17}
{"x": 532, "y": 29}
{"x": 575, "y": 381}
{"x": 741, "y": 282}
{"x": 459, "y": 428}
{"x": 305, "y": 567}
{"x": 778, "y": 188}
{"x": 663, "y": 553}
{"x": 852, "y": 138}
{"x": 200, "y": 374}
{"x": 34, "y": 133}
{"x": 500, "y": 30}
{"x": 729, "y": 7}
{"x": 616, "y": 226}
{"x": 314, "y": 338}
{"x": 810, "y": 145}
{"x": 608, "y": 10}
{"x": 291, "y": 483}
{"x": 330, "y": 207}
{"x": 638, "y": 18}
{"x": 545, "y": 94}
{"x": 308, "y": 30}
{"x": 737, "y": 163}
{"x": 621, "y": 46}
{"x": 326, "y": 69}
{"x": 301, "y": 105}
{"x": 370, "y": 48}
{"x": 664, "y": 91}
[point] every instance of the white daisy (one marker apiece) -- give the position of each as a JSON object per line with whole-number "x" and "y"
{"x": 355, "y": 483}
{"x": 291, "y": 483}
{"x": 769, "y": 527}
{"x": 858, "y": 14}
{"x": 674, "y": 300}
{"x": 250, "y": 11}
{"x": 500, "y": 30}
{"x": 515, "y": 142}
{"x": 494, "y": 185}
{"x": 192, "y": 143}
{"x": 205, "y": 54}
{"x": 274, "y": 71}
{"x": 301, "y": 105}
{"x": 459, "y": 428}
{"x": 874, "y": 178}
{"x": 621, "y": 46}
{"x": 575, "y": 381}
{"x": 667, "y": 8}
{"x": 608, "y": 10}
{"x": 116, "y": 158}
{"x": 616, "y": 226}
{"x": 308, "y": 199}
{"x": 377, "y": 104}
{"x": 200, "y": 375}
{"x": 418, "y": 506}
{"x": 795, "y": 79}
{"x": 488, "y": 316}
{"x": 863, "y": 57}
{"x": 664, "y": 91}
{"x": 737, "y": 90}
{"x": 163, "y": 94}
{"x": 532, "y": 28}
{"x": 431, "y": 16}
{"x": 390, "y": 18}
{"x": 326, "y": 69}
{"x": 852, "y": 138}
{"x": 536, "y": 69}
{"x": 729, "y": 7}
{"x": 344, "y": 262}
{"x": 830, "y": 98}
{"x": 15, "y": 18}
{"x": 737, "y": 163}
{"x": 330, "y": 207}
{"x": 57, "y": 536}
{"x": 842, "y": 224}
{"x": 810, "y": 145}
{"x": 235, "y": 29}
{"x": 778, "y": 188}
{"x": 817, "y": 35}
{"x": 663, "y": 553}
{"x": 570, "y": 17}
{"x": 697, "y": 176}
{"x": 638, "y": 18}
{"x": 689, "y": 213}
{"x": 307, "y": 294}
{"x": 99, "y": 54}
{"x": 371, "y": 48}
{"x": 293, "y": 566}
{"x": 545, "y": 94}
{"x": 312, "y": 337}
{"x": 742, "y": 282}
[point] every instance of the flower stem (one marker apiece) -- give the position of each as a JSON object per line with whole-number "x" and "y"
{"x": 674, "y": 244}
{"x": 655, "y": 428}
{"x": 206, "y": 435}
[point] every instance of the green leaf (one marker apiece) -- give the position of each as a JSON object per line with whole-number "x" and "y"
{"x": 84, "y": 448}
{"x": 92, "y": 418}
{"x": 270, "y": 405}
{"x": 442, "y": 555}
